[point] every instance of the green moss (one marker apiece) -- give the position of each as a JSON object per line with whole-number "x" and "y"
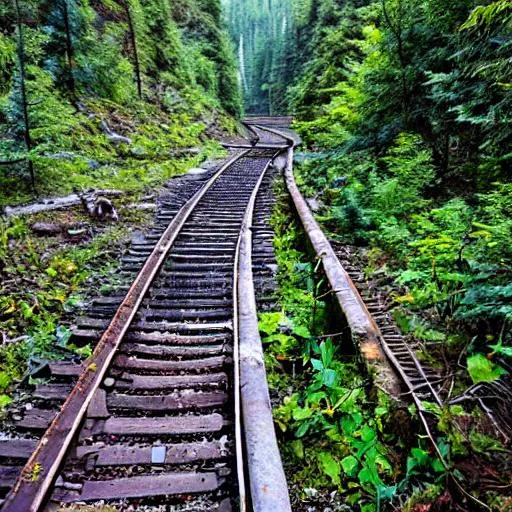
{"x": 83, "y": 157}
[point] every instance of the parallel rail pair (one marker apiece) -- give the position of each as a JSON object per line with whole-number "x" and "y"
{"x": 177, "y": 379}
{"x": 157, "y": 410}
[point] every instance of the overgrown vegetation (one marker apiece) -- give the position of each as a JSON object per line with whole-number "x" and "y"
{"x": 426, "y": 184}
{"x": 345, "y": 443}
{"x": 408, "y": 107}
{"x": 107, "y": 92}
{"x": 45, "y": 282}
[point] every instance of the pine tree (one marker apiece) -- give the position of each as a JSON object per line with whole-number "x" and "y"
{"x": 133, "y": 38}
{"x": 21, "y": 79}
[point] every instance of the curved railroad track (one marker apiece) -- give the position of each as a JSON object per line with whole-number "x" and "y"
{"x": 154, "y": 417}
{"x": 173, "y": 407}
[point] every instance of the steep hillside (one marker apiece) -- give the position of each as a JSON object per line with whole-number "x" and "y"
{"x": 105, "y": 92}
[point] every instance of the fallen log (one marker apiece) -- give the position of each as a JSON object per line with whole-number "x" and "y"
{"x": 47, "y": 228}
{"x": 55, "y": 203}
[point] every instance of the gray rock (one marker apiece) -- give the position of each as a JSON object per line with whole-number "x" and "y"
{"x": 115, "y": 138}
{"x": 72, "y": 487}
{"x": 314, "y": 204}
{"x": 109, "y": 383}
{"x": 196, "y": 173}
{"x": 138, "y": 151}
{"x": 93, "y": 165}
{"x": 46, "y": 228}
{"x": 63, "y": 155}
{"x": 142, "y": 206}
{"x": 340, "y": 182}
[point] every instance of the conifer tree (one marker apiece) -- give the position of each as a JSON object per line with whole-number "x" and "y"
{"x": 133, "y": 40}
{"x": 21, "y": 80}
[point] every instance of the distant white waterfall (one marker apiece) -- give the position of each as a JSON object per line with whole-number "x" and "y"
{"x": 241, "y": 61}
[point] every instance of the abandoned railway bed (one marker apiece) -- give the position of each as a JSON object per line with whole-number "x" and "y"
{"x": 154, "y": 415}
{"x": 173, "y": 405}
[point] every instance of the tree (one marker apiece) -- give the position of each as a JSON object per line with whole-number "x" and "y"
{"x": 23, "y": 88}
{"x": 133, "y": 37}
{"x": 69, "y": 47}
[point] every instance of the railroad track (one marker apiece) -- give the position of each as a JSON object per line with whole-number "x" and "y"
{"x": 173, "y": 408}
{"x": 423, "y": 383}
{"x": 154, "y": 416}
{"x": 365, "y": 313}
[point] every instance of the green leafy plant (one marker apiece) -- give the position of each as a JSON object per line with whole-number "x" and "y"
{"x": 481, "y": 369}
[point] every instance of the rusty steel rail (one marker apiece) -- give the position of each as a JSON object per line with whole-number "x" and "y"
{"x": 269, "y": 490}
{"x": 38, "y": 474}
{"x": 364, "y": 330}
{"x": 391, "y": 357}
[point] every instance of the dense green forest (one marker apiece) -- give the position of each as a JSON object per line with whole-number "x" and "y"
{"x": 92, "y": 89}
{"x": 404, "y": 108}
{"x": 263, "y": 32}
{"x": 412, "y": 102}
{"x": 405, "y": 112}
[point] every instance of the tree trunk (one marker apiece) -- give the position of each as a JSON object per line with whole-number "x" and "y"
{"x": 397, "y": 32}
{"x": 70, "y": 53}
{"x": 133, "y": 37}
{"x": 23, "y": 88}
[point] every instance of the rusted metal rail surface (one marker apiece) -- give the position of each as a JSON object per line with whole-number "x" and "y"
{"x": 154, "y": 416}
{"x": 392, "y": 360}
{"x": 377, "y": 335}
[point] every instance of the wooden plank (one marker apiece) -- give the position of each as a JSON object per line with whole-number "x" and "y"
{"x": 206, "y": 302}
{"x": 149, "y": 382}
{"x": 170, "y": 351}
{"x": 52, "y": 391}
{"x": 56, "y": 203}
{"x": 17, "y": 448}
{"x": 100, "y": 323}
{"x": 176, "y": 402}
{"x": 190, "y": 315}
{"x": 181, "y": 453}
{"x": 98, "y": 405}
{"x": 36, "y": 419}
{"x": 8, "y": 475}
{"x": 123, "y": 361}
{"x": 65, "y": 369}
{"x": 172, "y": 425}
{"x": 148, "y": 485}
{"x": 176, "y": 339}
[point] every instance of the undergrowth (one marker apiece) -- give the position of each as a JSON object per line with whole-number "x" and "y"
{"x": 344, "y": 443}
{"x": 46, "y": 280}
{"x": 82, "y": 156}
{"x": 448, "y": 256}
{"x": 445, "y": 266}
